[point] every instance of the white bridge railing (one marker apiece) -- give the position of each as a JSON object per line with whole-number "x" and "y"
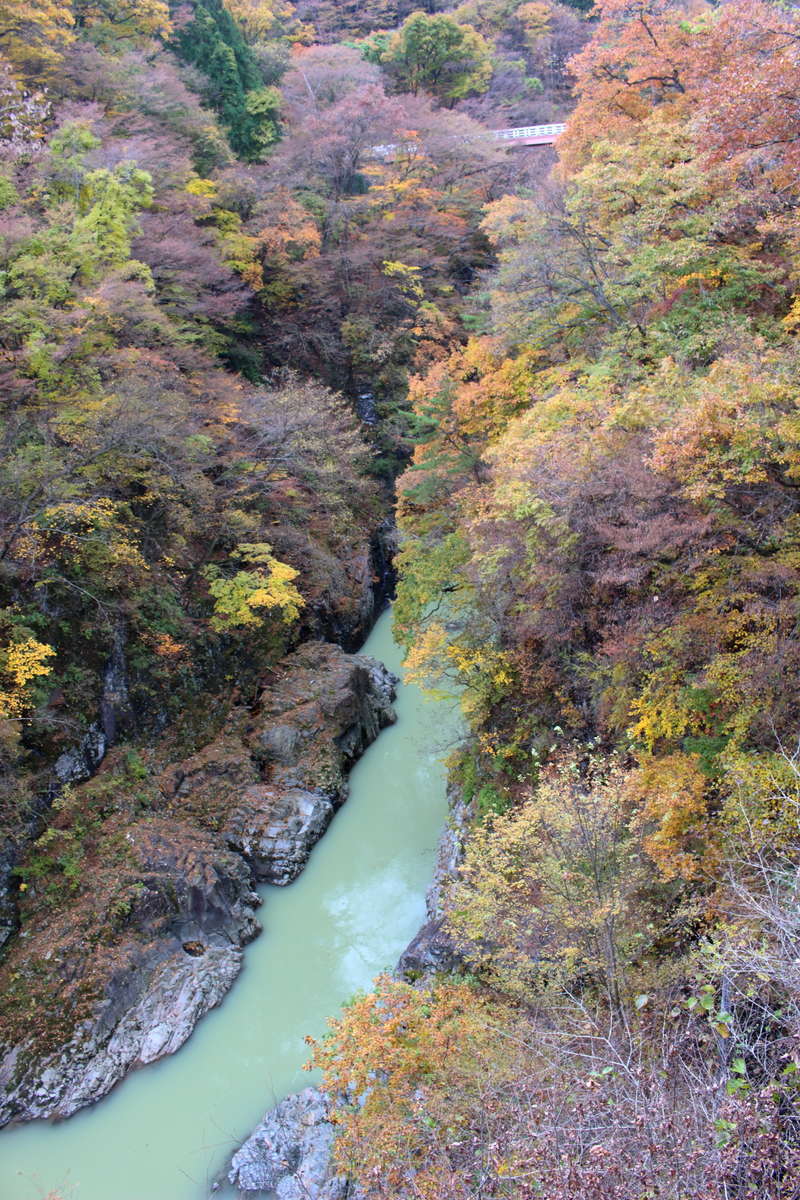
{"x": 523, "y": 132}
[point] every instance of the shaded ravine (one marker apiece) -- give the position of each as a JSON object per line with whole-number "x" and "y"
{"x": 165, "y": 1132}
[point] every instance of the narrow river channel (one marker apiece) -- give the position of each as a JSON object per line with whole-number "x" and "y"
{"x": 165, "y": 1132}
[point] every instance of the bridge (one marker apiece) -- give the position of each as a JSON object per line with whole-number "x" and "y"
{"x": 529, "y": 135}
{"x": 523, "y": 135}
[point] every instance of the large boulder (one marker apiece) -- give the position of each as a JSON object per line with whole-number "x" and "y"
{"x": 289, "y": 1154}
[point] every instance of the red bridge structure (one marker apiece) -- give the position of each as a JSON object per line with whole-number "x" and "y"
{"x": 529, "y": 135}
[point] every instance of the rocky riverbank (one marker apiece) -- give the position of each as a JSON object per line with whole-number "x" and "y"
{"x": 432, "y": 950}
{"x": 159, "y": 893}
{"x": 350, "y": 591}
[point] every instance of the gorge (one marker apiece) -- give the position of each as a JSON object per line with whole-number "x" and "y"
{"x": 285, "y": 332}
{"x": 167, "y": 1130}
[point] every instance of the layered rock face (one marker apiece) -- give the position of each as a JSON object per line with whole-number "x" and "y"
{"x": 153, "y": 937}
{"x": 273, "y": 780}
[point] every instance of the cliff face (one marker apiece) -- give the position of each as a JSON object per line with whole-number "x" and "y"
{"x": 121, "y": 959}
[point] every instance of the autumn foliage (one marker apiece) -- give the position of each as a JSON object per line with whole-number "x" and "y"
{"x": 618, "y": 458}
{"x": 599, "y": 552}
{"x": 249, "y": 275}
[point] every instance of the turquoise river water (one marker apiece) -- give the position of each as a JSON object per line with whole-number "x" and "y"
{"x": 164, "y": 1133}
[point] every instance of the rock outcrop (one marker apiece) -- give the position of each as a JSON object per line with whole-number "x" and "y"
{"x": 289, "y": 1153}
{"x": 449, "y": 852}
{"x": 432, "y": 948}
{"x": 9, "y": 917}
{"x": 129, "y": 968}
{"x": 272, "y": 781}
{"x": 151, "y": 934}
{"x": 81, "y": 762}
{"x": 355, "y": 590}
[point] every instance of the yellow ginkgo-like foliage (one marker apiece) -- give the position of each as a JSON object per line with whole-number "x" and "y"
{"x": 20, "y": 663}
{"x": 248, "y": 596}
{"x": 261, "y": 19}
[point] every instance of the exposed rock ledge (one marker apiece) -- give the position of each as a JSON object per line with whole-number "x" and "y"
{"x": 272, "y": 781}
{"x": 432, "y": 949}
{"x": 127, "y": 979}
{"x": 289, "y": 1154}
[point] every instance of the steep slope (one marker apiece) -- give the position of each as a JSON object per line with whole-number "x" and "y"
{"x": 599, "y": 548}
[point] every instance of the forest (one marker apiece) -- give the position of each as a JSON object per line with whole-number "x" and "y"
{"x": 267, "y": 281}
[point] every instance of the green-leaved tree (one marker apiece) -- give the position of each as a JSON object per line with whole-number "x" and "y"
{"x": 436, "y": 54}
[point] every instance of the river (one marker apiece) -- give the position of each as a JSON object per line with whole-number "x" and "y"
{"x": 164, "y": 1133}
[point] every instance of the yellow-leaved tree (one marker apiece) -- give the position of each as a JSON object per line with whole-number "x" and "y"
{"x": 549, "y": 891}
{"x": 20, "y": 663}
{"x": 264, "y": 19}
{"x": 118, "y": 20}
{"x": 248, "y": 596}
{"x": 32, "y": 35}
{"x": 423, "y": 1069}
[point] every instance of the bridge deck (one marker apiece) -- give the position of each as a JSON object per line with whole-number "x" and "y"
{"x": 523, "y": 135}
{"x": 529, "y": 135}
